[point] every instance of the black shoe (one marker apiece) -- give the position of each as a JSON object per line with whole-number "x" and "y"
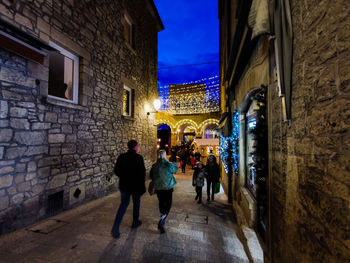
{"x": 116, "y": 236}
{"x": 196, "y": 197}
{"x": 199, "y": 202}
{"x": 212, "y": 198}
{"x": 136, "y": 224}
{"x": 162, "y": 230}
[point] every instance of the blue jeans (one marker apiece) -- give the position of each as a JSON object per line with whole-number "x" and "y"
{"x": 125, "y": 196}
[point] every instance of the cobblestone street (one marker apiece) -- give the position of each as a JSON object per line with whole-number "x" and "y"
{"x": 195, "y": 233}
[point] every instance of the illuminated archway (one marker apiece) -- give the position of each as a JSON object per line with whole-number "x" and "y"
{"x": 207, "y": 122}
{"x": 187, "y": 121}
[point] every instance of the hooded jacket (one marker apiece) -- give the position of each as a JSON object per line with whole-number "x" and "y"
{"x": 162, "y": 174}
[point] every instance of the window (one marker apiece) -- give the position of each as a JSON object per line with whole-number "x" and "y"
{"x": 251, "y": 117}
{"x": 63, "y": 74}
{"x": 129, "y": 31}
{"x": 127, "y": 101}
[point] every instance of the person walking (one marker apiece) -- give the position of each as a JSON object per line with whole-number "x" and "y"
{"x": 213, "y": 175}
{"x": 163, "y": 181}
{"x": 198, "y": 180}
{"x": 130, "y": 169}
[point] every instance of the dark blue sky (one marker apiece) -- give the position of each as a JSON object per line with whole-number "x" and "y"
{"x": 191, "y": 36}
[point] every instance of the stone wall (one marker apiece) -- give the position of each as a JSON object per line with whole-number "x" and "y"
{"x": 310, "y": 158}
{"x": 47, "y": 146}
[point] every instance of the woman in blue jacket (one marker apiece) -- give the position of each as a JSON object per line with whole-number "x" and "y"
{"x": 164, "y": 181}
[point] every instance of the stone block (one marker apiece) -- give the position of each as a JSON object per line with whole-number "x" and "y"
{"x": 2, "y": 149}
{"x": 4, "y": 202}
{"x": 30, "y": 138}
{"x": 36, "y": 150}
{"x": 12, "y": 190}
{"x": 68, "y": 148}
{"x": 3, "y": 109}
{"x": 31, "y": 167}
{"x": 57, "y": 181}
{"x": 51, "y": 117}
{"x": 6, "y": 135}
{"x": 23, "y": 187}
{"x": 44, "y": 172}
{"x": 18, "y": 112}
{"x": 57, "y": 138}
{"x": 6, "y": 170}
{"x": 66, "y": 128}
{"x": 17, "y": 199}
{"x": 14, "y": 152}
{"x": 22, "y": 20}
{"x": 26, "y": 104}
{"x": 86, "y": 172}
{"x": 71, "y": 138}
{"x": 55, "y": 160}
{"x": 37, "y": 189}
{"x": 30, "y": 176}
{"x": 6, "y": 180}
{"x": 73, "y": 178}
{"x": 19, "y": 123}
{"x": 19, "y": 178}
{"x": 4, "y": 123}
{"x": 20, "y": 167}
{"x": 84, "y": 135}
{"x": 41, "y": 125}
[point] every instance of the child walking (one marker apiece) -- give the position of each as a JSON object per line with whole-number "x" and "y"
{"x": 198, "y": 180}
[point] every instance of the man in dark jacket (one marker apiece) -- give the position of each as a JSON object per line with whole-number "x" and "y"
{"x": 213, "y": 175}
{"x": 130, "y": 169}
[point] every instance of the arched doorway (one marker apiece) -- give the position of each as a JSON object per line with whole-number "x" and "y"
{"x": 164, "y": 137}
{"x": 186, "y": 133}
{"x": 211, "y": 131}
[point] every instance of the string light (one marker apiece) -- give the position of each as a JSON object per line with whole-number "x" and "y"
{"x": 230, "y": 146}
{"x": 200, "y": 96}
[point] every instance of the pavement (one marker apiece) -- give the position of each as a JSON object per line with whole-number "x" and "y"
{"x": 204, "y": 232}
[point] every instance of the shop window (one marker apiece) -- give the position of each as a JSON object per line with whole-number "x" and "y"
{"x": 127, "y": 101}
{"x": 251, "y": 117}
{"x": 63, "y": 74}
{"x": 129, "y": 31}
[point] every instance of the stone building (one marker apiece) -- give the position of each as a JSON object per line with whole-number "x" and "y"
{"x": 188, "y": 111}
{"x": 74, "y": 79}
{"x": 284, "y": 76}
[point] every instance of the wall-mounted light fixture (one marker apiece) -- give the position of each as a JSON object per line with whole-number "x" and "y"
{"x": 156, "y": 106}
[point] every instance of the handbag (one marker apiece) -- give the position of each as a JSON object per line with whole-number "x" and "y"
{"x": 217, "y": 188}
{"x": 151, "y": 189}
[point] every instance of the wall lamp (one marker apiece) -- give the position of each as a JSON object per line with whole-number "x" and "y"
{"x": 156, "y": 106}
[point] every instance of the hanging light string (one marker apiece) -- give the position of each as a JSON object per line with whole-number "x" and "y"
{"x": 199, "y": 96}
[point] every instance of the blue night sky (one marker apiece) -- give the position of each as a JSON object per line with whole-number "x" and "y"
{"x": 191, "y": 36}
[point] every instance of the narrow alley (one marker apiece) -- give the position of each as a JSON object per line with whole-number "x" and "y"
{"x": 83, "y": 234}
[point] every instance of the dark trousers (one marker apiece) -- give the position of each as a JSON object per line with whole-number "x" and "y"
{"x": 125, "y": 196}
{"x": 199, "y": 193}
{"x": 165, "y": 198}
{"x": 212, "y": 184}
{"x": 183, "y": 167}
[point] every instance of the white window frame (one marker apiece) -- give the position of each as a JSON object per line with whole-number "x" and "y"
{"x": 130, "y": 101}
{"x": 75, "y": 59}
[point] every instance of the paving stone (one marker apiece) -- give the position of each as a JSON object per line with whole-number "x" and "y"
{"x": 86, "y": 236}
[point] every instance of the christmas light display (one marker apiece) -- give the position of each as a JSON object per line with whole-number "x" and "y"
{"x": 229, "y": 146}
{"x": 235, "y": 141}
{"x": 200, "y": 96}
